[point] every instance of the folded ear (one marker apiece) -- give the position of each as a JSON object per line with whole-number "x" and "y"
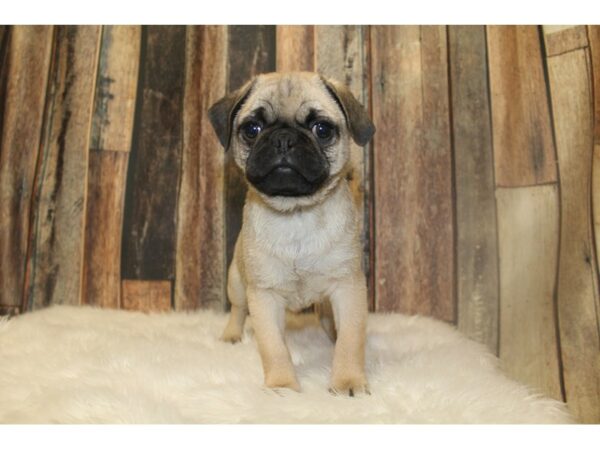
{"x": 223, "y": 112}
{"x": 360, "y": 124}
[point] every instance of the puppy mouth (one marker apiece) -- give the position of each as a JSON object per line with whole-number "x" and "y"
{"x": 286, "y": 180}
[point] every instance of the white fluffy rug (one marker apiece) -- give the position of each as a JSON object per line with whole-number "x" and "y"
{"x": 85, "y": 365}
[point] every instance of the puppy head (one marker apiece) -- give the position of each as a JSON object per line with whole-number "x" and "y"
{"x": 290, "y": 134}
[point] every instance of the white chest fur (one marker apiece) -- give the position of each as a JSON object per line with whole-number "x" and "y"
{"x": 301, "y": 254}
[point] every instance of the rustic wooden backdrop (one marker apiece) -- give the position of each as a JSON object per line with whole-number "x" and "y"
{"x": 480, "y": 192}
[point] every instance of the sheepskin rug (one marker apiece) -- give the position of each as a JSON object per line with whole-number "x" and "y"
{"x": 85, "y": 365}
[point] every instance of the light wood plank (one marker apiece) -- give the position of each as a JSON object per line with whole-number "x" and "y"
{"x": 594, "y": 38}
{"x": 340, "y": 54}
{"x": 116, "y": 88}
{"x": 56, "y": 263}
{"x": 578, "y": 303}
{"x": 564, "y": 38}
{"x": 414, "y": 261}
{"x": 25, "y": 61}
{"x": 477, "y": 251}
{"x": 528, "y": 233}
{"x": 522, "y": 133}
{"x": 149, "y": 226}
{"x": 200, "y": 255}
{"x": 107, "y": 173}
{"x": 295, "y": 48}
{"x": 147, "y": 296}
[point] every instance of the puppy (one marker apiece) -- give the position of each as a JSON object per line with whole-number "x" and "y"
{"x": 299, "y": 243}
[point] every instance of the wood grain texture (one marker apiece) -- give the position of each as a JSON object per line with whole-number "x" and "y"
{"x": 149, "y": 228}
{"x": 251, "y": 51}
{"x": 23, "y": 79}
{"x": 564, "y": 38}
{"x": 147, "y": 296}
{"x": 116, "y": 88}
{"x": 104, "y": 218}
{"x": 578, "y": 304}
{"x": 476, "y": 245}
{"x": 594, "y": 40}
{"x": 200, "y": 254}
{"x": 295, "y": 48}
{"x": 528, "y": 232}
{"x": 414, "y": 261}
{"x": 340, "y": 54}
{"x": 55, "y": 265}
{"x": 522, "y": 133}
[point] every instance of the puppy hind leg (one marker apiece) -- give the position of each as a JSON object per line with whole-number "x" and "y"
{"x": 236, "y": 293}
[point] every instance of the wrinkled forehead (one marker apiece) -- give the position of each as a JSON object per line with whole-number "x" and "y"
{"x": 291, "y": 98}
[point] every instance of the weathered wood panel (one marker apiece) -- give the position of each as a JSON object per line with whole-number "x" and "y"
{"x": 112, "y": 128}
{"x": 414, "y": 261}
{"x": 594, "y": 41}
{"x": 340, "y": 54}
{"x": 147, "y": 296}
{"x": 56, "y": 261}
{"x": 522, "y": 132}
{"x": 476, "y": 246}
{"x": 25, "y": 57}
{"x": 104, "y": 218}
{"x": 295, "y": 48}
{"x": 570, "y": 88}
{"x": 528, "y": 234}
{"x": 200, "y": 255}
{"x": 149, "y": 228}
{"x": 251, "y": 51}
{"x": 116, "y": 88}
{"x": 564, "y": 38}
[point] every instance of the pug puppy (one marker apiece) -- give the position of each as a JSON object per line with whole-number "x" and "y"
{"x": 299, "y": 243}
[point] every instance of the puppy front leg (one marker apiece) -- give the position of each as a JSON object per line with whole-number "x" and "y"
{"x": 267, "y": 311}
{"x": 349, "y": 303}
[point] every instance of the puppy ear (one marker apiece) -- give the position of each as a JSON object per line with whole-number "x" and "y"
{"x": 360, "y": 124}
{"x": 223, "y": 112}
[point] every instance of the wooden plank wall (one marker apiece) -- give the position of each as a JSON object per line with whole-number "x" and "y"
{"x": 479, "y": 195}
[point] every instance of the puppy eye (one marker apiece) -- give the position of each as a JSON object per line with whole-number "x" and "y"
{"x": 323, "y": 130}
{"x": 251, "y": 129}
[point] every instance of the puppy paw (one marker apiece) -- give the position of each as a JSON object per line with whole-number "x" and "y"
{"x": 351, "y": 385}
{"x": 282, "y": 380}
{"x": 231, "y": 336}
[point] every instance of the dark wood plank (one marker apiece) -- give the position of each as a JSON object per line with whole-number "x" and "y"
{"x": 104, "y": 218}
{"x": 528, "y": 233}
{"x": 147, "y": 296}
{"x": 578, "y": 298}
{"x": 116, "y": 88}
{"x": 23, "y": 80}
{"x": 200, "y": 256}
{"x": 340, "y": 54}
{"x": 522, "y": 133}
{"x": 251, "y": 51}
{"x": 55, "y": 265}
{"x": 414, "y": 266}
{"x": 476, "y": 246}
{"x": 112, "y": 127}
{"x": 295, "y": 48}
{"x": 149, "y": 229}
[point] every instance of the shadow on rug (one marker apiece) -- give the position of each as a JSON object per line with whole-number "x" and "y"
{"x": 85, "y": 365}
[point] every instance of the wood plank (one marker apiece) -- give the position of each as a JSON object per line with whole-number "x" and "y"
{"x": 251, "y": 51}
{"x": 295, "y": 48}
{"x": 564, "y": 38}
{"x": 56, "y": 261}
{"x": 147, "y": 296}
{"x": 594, "y": 38}
{"x": 116, "y": 88}
{"x": 412, "y": 169}
{"x": 25, "y": 62}
{"x": 112, "y": 128}
{"x": 200, "y": 256}
{"x": 528, "y": 234}
{"x": 578, "y": 300}
{"x": 149, "y": 228}
{"x": 340, "y": 54}
{"x": 104, "y": 218}
{"x": 476, "y": 245}
{"x": 522, "y": 134}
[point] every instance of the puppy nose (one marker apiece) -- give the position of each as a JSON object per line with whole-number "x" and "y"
{"x": 283, "y": 140}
